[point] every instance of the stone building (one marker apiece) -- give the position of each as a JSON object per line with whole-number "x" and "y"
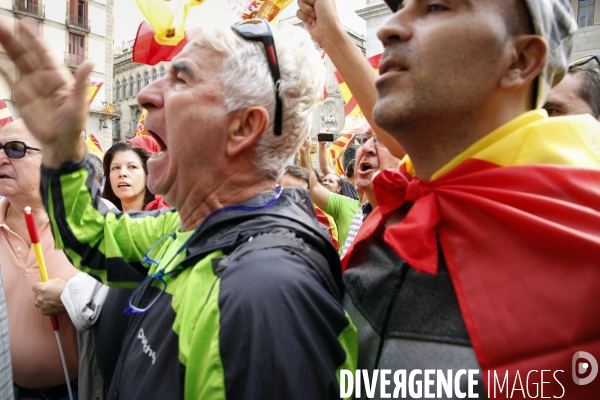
{"x": 129, "y": 79}
{"x": 77, "y": 30}
{"x": 586, "y": 42}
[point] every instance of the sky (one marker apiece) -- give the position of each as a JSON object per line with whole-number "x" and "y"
{"x": 128, "y": 16}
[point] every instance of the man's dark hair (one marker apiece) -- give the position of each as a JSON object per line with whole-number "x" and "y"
{"x": 98, "y": 167}
{"x": 589, "y": 88}
{"x": 298, "y": 172}
{"x": 350, "y": 169}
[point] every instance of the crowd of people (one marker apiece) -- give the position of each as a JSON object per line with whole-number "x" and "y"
{"x": 200, "y": 262}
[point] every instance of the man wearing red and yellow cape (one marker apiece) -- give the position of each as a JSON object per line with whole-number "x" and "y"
{"x": 484, "y": 252}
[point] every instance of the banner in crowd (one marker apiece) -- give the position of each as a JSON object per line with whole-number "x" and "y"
{"x": 267, "y": 9}
{"x": 94, "y": 146}
{"x": 5, "y": 117}
{"x": 139, "y": 130}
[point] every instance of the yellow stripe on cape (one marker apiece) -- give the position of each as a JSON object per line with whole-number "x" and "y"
{"x": 533, "y": 138}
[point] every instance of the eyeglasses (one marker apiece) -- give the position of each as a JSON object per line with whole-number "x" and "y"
{"x": 363, "y": 138}
{"x": 16, "y": 149}
{"x": 154, "y": 285}
{"x": 393, "y": 4}
{"x": 584, "y": 60}
{"x": 258, "y": 30}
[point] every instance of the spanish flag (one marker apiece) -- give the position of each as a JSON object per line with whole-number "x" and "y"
{"x": 93, "y": 88}
{"x": 267, "y": 9}
{"x": 94, "y": 146}
{"x": 5, "y": 117}
{"x": 517, "y": 217}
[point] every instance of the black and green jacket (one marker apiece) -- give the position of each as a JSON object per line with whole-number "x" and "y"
{"x": 267, "y": 325}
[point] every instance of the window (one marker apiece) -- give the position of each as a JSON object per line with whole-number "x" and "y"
{"x": 146, "y": 78}
{"x": 117, "y": 90}
{"x": 154, "y": 75}
{"x": 138, "y": 115}
{"x": 131, "y": 85}
{"x": 585, "y": 15}
{"x": 124, "y": 88}
{"x": 162, "y": 71}
{"x": 76, "y": 49}
{"x": 117, "y": 126}
{"x": 138, "y": 78}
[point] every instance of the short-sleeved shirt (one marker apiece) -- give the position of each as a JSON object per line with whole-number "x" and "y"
{"x": 342, "y": 209}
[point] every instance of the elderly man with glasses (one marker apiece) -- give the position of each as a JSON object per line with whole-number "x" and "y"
{"x": 578, "y": 92}
{"x": 242, "y": 299}
{"x": 36, "y": 364}
{"x": 482, "y": 257}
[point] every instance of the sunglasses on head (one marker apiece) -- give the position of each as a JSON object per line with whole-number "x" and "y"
{"x": 258, "y": 30}
{"x": 584, "y": 60}
{"x": 16, "y": 149}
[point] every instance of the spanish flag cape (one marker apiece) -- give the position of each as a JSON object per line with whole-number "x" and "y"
{"x": 517, "y": 216}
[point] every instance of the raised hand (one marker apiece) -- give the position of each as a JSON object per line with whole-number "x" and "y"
{"x": 51, "y": 101}
{"x": 320, "y": 18}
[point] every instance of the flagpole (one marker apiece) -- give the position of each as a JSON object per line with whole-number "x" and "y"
{"x": 37, "y": 248}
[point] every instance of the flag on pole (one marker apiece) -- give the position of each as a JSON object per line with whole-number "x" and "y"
{"x": 354, "y": 116}
{"x": 109, "y": 108}
{"x": 139, "y": 130}
{"x": 94, "y": 146}
{"x": 5, "y": 117}
{"x": 93, "y": 88}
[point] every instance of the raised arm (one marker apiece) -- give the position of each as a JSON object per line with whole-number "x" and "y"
{"x": 321, "y": 20}
{"x": 51, "y": 101}
{"x": 323, "y": 163}
{"x": 319, "y": 194}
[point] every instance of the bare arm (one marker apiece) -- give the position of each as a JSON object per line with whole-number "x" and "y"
{"x": 348, "y": 59}
{"x": 319, "y": 194}
{"x": 323, "y": 163}
{"x": 51, "y": 101}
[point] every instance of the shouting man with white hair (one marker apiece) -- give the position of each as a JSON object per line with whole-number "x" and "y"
{"x": 215, "y": 317}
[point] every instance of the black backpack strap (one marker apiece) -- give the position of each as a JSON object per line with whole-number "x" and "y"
{"x": 288, "y": 241}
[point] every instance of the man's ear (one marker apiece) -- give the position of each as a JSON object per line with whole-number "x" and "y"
{"x": 529, "y": 59}
{"x": 246, "y": 128}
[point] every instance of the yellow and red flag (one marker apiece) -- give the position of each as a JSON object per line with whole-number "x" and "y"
{"x": 336, "y": 151}
{"x": 139, "y": 130}
{"x": 5, "y": 117}
{"x": 516, "y": 218}
{"x": 93, "y": 88}
{"x": 354, "y": 116}
{"x": 267, "y": 9}
{"x": 108, "y": 108}
{"x": 94, "y": 146}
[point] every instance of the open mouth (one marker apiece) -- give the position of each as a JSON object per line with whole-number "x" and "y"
{"x": 123, "y": 184}
{"x": 365, "y": 167}
{"x": 161, "y": 144}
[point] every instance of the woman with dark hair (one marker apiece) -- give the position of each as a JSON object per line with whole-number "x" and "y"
{"x": 126, "y": 174}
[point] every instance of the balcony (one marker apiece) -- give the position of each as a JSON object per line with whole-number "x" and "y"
{"x": 29, "y": 9}
{"x": 77, "y": 22}
{"x": 74, "y": 60}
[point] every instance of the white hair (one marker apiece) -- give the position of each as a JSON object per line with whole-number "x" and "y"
{"x": 247, "y": 82}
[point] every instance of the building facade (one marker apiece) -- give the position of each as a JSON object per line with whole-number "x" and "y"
{"x": 129, "y": 79}
{"x": 77, "y": 30}
{"x": 586, "y": 41}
